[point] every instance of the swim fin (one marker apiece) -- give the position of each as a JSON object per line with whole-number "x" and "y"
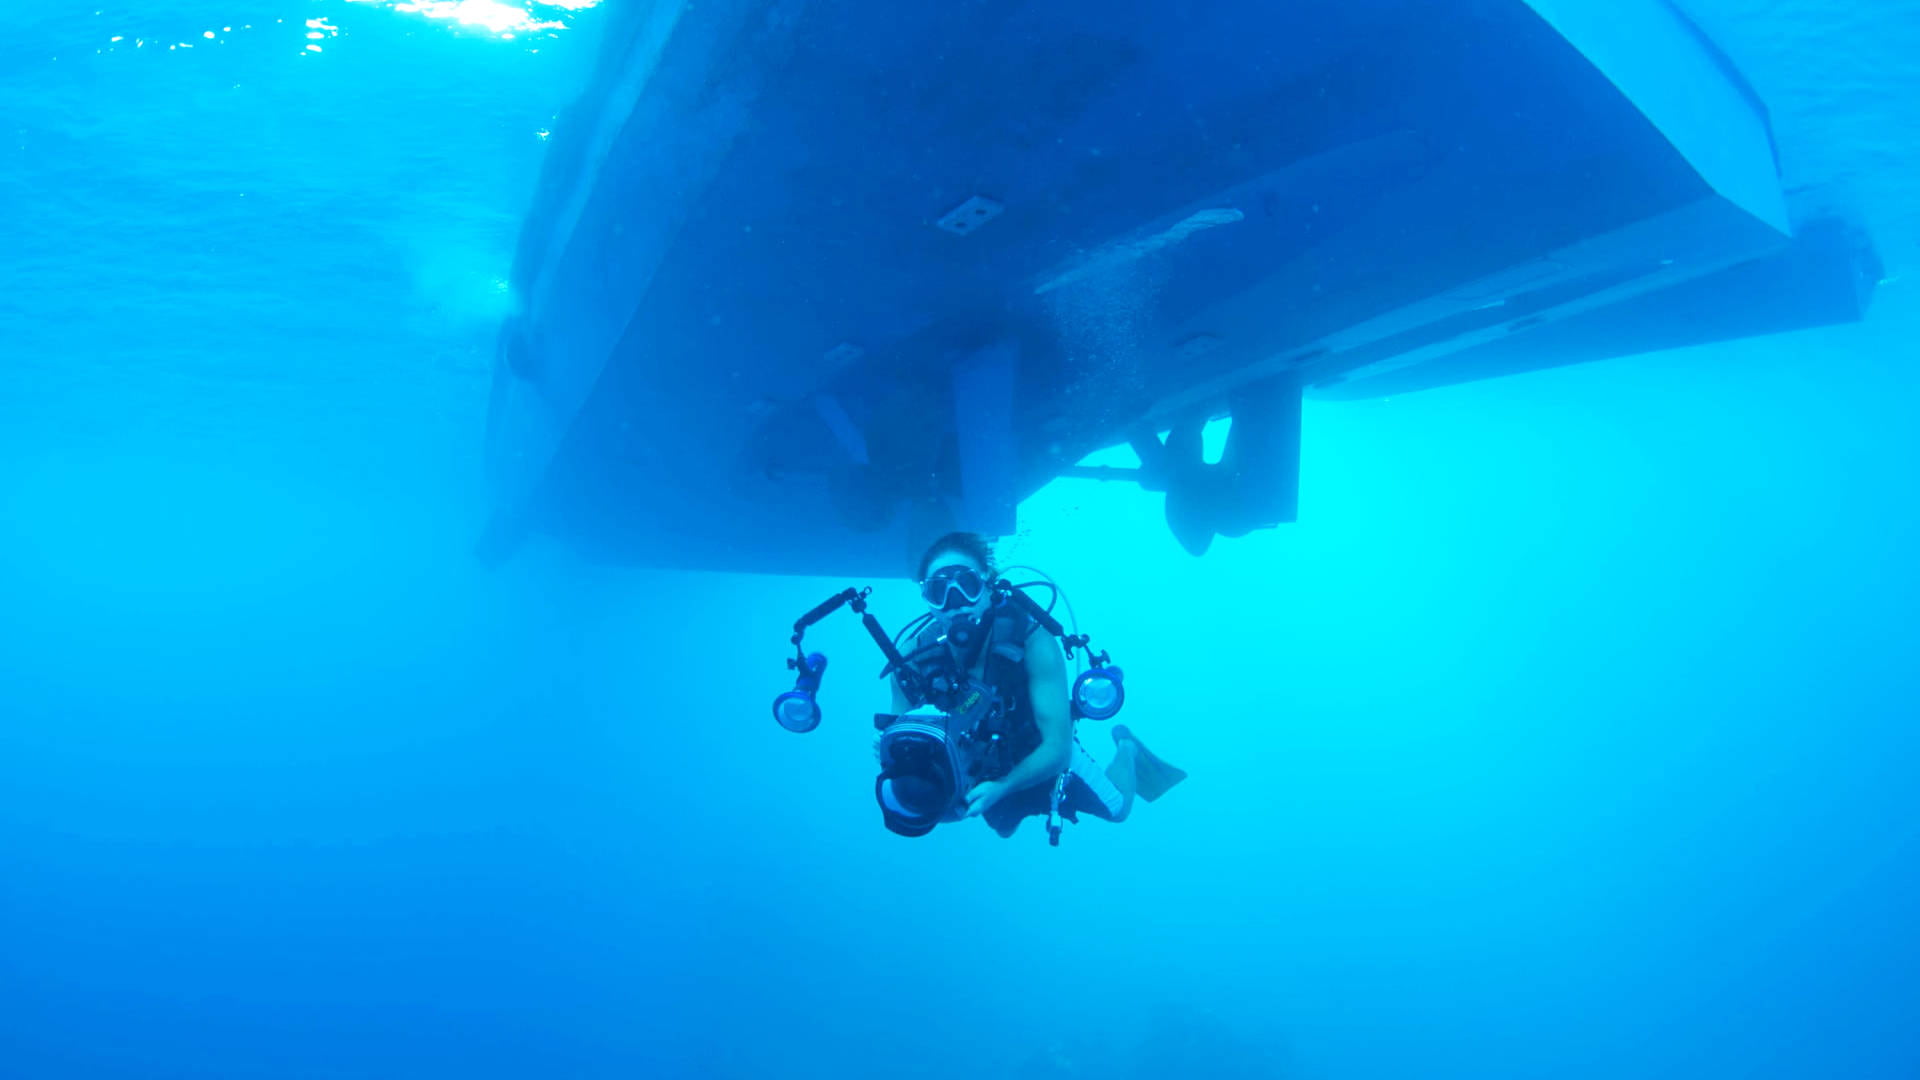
{"x": 1152, "y": 777}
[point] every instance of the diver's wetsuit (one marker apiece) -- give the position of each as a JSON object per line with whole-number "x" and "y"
{"x": 1089, "y": 791}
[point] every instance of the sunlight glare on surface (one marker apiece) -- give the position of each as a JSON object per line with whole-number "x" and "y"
{"x": 495, "y": 16}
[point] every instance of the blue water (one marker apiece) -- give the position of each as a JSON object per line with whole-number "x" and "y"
{"x": 1572, "y": 733}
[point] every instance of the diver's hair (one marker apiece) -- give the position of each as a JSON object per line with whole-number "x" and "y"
{"x": 971, "y": 544}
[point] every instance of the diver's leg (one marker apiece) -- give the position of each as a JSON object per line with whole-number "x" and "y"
{"x": 1108, "y": 794}
{"x": 1122, "y": 772}
{"x": 1105, "y": 793}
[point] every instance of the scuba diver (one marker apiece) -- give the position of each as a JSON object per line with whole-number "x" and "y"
{"x": 995, "y": 642}
{"x": 984, "y": 714}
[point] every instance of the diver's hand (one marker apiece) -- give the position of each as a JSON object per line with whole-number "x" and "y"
{"x": 984, "y": 795}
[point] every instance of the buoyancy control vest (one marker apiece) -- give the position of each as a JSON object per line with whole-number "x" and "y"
{"x": 981, "y": 727}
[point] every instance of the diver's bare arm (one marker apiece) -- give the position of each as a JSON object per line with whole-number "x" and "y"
{"x": 1047, "y": 689}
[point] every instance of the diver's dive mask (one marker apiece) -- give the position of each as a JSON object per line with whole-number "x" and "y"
{"x": 952, "y": 587}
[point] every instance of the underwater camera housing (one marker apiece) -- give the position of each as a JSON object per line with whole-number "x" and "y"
{"x": 930, "y": 759}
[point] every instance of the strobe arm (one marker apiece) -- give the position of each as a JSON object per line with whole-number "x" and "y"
{"x": 895, "y": 661}
{"x": 800, "y": 662}
{"x": 827, "y": 607}
{"x": 856, "y": 599}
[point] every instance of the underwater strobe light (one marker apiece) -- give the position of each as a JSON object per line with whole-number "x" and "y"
{"x": 797, "y": 710}
{"x": 1098, "y": 693}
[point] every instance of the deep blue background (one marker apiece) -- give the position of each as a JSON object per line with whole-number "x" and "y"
{"x": 1571, "y": 733}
